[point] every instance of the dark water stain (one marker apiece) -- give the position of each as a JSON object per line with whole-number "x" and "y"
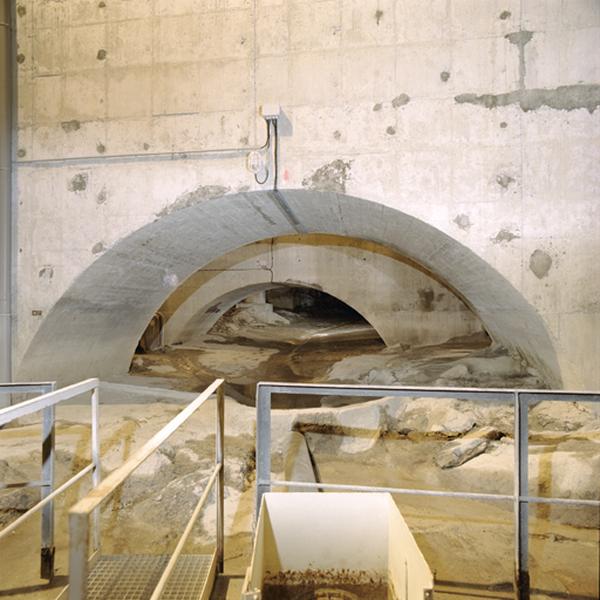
{"x": 463, "y": 222}
{"x": 378, "y": 15}
{"x": 377, "y": 107}
{"x": 331, "y": 177}
{"x": 391, "y": 130}
{"x": 21, "y": 153}
{"x": 21, "y": 10}
{"x": 503, "y": 125}
{"x": 20, "y": 58}
{"x": 337, "y": 134}
{"x": 504, "y": 180}
{"x": 520, "y": 39}
{"x": 504, "y": 235}
{"x": 401, "y": 100}
{"x": 426, "y": 299}
{"x": 100, "y": 148}
{"x": 78, "y": 183}
{"x": 70, "y": 126}
{"x": 101, "y": 54}
{"x": 540, "y": 263}
{"x": 265, "y": 216}
{"x": 202, "y": 192}
{"x": 566, "y": 97}
{"x": 146, "y": 146}
{"x": 505, "y": 14}
{"x": 101, "y": 4}
{"x": 444, "y": 76}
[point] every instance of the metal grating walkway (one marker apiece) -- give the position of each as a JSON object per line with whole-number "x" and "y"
{"x": 134, "y": 577}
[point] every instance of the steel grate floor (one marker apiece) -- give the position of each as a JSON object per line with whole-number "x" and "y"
{"x": 134, "y": 577}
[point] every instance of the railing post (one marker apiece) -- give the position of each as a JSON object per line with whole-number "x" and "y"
{"x": 47, "y": 545}
{"x": 96, "y": 473}
{"x": 263, "y": 444}
{"x": 78, "y": 555}
{"x": 521, "y": 506}
{"x": 220, "y": 494}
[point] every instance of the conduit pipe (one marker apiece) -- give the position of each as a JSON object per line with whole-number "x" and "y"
{"x": 6, "y": 133}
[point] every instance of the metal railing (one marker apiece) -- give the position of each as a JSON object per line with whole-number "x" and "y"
{"x": 521, "y": 400}
{"x": 80, "y": 562}
{"x": 46, "y": 403}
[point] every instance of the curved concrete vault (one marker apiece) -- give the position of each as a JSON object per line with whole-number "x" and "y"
{"x": 94, "y": 328}
{"x": 403, "y": 304}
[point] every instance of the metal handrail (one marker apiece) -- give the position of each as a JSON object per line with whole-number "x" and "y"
{"x": 79, "y": 562}
{"x": 47, "y": 403}
{"x": 50, "y": 399}
{"x": 521, "y": 400}
{"x": 41, "y": 387}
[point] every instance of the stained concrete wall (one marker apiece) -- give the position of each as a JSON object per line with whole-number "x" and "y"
{"x": 479, "y": 118}
{"x": 403, "y": 304}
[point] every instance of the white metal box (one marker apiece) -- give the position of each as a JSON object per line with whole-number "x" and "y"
{"x": 347, "y": 545}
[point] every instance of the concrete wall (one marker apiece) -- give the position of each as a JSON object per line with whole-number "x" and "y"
{"x": 403, "y": 304}
{"x": 479, "y": 118}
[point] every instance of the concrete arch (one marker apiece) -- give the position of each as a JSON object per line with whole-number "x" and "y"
{"x": 406, "y": 305}
{"x": 94, "y": 327}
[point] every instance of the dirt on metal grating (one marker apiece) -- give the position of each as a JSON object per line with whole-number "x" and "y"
{"x": 326, "y": 585}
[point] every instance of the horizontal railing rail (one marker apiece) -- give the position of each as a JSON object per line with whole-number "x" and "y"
{"x": 37, "y": 387}
{"x": 22, "y": 409}
{"x": 79, "y": 561}
{"x": 47, "y": 403}
{"x": 520, "y": 399}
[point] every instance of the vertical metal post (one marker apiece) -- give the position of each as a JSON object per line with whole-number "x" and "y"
{"x": 96, "y": 473}
{"x": 219, "y": 460}
{"x": 47, "y": 545}
{"x": 521, "y": 506}
{"x": 78, "y": 555}
{"x": 263, "y": 445}
{"x": 7, "y": 135}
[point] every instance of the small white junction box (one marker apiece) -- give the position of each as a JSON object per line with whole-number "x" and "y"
{"x": 271, "y": 112}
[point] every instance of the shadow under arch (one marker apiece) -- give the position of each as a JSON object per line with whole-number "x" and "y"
{"x": 93, "y": 329}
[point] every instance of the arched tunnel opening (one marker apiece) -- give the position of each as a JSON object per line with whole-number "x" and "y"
{"x": 286, "y": 333}
{"x": 321, "y": 309}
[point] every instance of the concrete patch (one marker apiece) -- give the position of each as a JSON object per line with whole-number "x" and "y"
{"x": 401, "y": 100}
{"x": 331, "y": 177}
{"x": 98, "y": 247}
{"x": 203, "y": 192}
{"x": 540, "y": 263}
{"x": 102, "y": 196}
{"x": 504, "y": 180}
{"x": 504, "y": 235}
{"x": 566, "y": 97}
{"x": 46, "y": 272}
{"x": 70, "y": 126}
{"x": 463, "y": 222}
{"x": 78, "y": 183}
